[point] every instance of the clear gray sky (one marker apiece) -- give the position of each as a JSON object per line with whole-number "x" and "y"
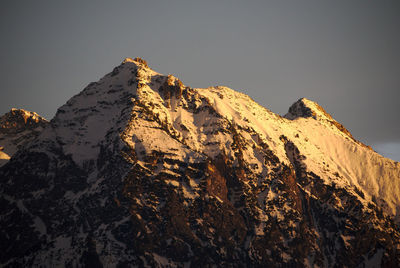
{"x": 345, "y": 55}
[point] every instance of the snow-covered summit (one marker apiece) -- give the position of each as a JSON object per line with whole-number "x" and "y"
{"x": 307, "y": 108}
{"x": 152, "y": 112}
{"x": 141, "y": 169}
{"x": 101, "y": 110}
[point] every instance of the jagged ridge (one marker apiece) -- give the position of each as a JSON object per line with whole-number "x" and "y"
{"x": 17, "y": 128}
{"x": 140, "y": 169}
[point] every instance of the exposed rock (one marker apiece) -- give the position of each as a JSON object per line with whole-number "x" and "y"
{"x": 18, "y": 120}
{"x": 307, "y": 108}
{"x": 17, "y": 128}
{"x": 139, "y": 170}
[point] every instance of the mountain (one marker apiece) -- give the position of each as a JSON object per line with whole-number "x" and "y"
{"x": 140, "y": 170}
{"x": 17, "y": 128}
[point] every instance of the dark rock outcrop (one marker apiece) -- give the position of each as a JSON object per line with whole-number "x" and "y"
{"x": 201, "y": 189}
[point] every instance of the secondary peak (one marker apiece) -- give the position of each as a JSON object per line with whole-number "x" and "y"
{"x": 307, "y": 108}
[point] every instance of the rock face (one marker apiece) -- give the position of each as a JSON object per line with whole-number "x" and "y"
{"x": 17, "y": 128}
{"x": 140, "y": 170}
{"x": 306, "y": 108}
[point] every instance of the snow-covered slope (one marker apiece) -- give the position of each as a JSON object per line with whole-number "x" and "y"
{"x": 333, "y": 152}
{"x": 140, "y": 169}
{"x": 17, "y": 128}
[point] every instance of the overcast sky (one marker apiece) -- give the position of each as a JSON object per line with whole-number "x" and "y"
{"x": 345, "y": 55}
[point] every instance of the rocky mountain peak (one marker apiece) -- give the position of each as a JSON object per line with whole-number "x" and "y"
{"x": 140, "y": 170}
{"x": 305, "y": 108}
{"x": 18, "y": 127}
{"x": 136, "y": 60}
{"x": 18, "y": 120}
